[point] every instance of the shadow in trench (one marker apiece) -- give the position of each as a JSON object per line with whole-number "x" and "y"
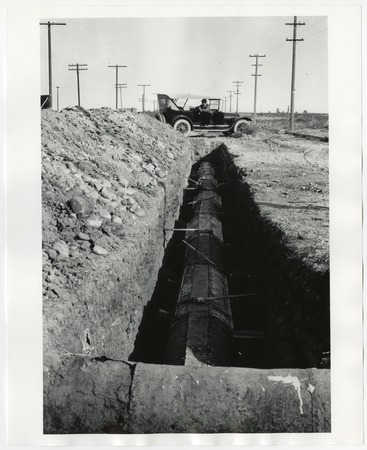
{"x": 154, "y": 328}
{"x": 280, "y": 306}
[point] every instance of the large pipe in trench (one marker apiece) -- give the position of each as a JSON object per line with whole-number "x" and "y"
{"x": 118, "y": 397}
{"x": 200, "y": 333}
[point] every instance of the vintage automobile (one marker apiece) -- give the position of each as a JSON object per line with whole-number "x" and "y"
{"x": 187, "y": 120}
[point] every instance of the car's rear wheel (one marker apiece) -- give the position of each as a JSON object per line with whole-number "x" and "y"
{"x": 241, "y": 126}
{"x": 182, "y": 126}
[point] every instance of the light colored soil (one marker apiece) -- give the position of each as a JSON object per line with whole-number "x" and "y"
{"x": 289, "y": 178}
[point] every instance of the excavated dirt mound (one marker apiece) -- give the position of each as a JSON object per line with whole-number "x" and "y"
{"x": 110, "y": 186}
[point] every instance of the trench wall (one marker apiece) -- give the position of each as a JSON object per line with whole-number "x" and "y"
{"x": 114, "y": 313}
{"x": 97, "y": 166}
{"x": 297, "y": 296}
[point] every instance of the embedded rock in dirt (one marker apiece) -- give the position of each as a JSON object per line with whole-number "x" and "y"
{"x": 111, "y": 184}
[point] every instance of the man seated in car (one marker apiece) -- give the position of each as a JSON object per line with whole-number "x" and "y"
{"x": 205, "y": 113}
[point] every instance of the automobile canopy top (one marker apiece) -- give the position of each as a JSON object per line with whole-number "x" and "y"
{"x": 179, "y": 101}
{"x": 194, "y": 96}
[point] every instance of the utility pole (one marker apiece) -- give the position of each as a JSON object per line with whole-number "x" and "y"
{"x": 230, "y": 100}
{"x": 225, "y": 104}
{"x": 237, "y": 92}
{"x": 143, "y": 97}
{"x": 156, "y": 104}
{"x": 256, "y": 75}
{"x": 294, "y": 40}
{"x": 57, "y": 90}
{"x": 117, "y": 81}
{"x": 78, "y": 67}
{"x": 49, "y": 25}
{"x": 121, "y": 86}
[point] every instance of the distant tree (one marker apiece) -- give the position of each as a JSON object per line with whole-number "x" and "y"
{"x": 277, "y": 111}
{"x": 305, "y": 112}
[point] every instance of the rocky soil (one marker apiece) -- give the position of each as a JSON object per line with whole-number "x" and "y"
{"x": 112, "y": 185}
{"x": 111, "y": 188}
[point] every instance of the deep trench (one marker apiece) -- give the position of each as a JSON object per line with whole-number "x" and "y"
{"x": 281, "y": 315}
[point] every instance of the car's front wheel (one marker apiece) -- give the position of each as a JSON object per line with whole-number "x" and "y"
{"x": 241, "y": 126}
{"x": 182, "y": 126}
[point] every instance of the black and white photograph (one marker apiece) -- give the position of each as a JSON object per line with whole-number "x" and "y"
{"x": 188, "y": 260}
{"x": 185, "y": 235}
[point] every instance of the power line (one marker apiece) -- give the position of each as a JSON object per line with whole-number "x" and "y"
{"x": 237, "y": 92}
{"x": 121, "y": 86}
{"x": 117, "y": 81}
{"x": 294, "y": 40}
{"x": 230, "y": 100}
{"x": 307, "y": 77}
{"x": 314, "y": 24}
{"x": 49, "y": 25}
{"x": 57, "y": 90}
{"x": 256, "y": 74}
{"x": 279, "y": 62}
{"x": 143, "y": 97}
{"x": 277, "y": 47}
{"x": 78, "y": 67}
{"x": 275, "y": 52}
{"x": 225, "y": 104}
{"x": 317, "y": 32}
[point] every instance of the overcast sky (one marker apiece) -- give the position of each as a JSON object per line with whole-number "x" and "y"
{"x": 197, "y": 55}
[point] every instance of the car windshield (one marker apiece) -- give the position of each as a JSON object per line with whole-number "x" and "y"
{"x": 214, "y": 103}
{"x": 180, "y": 102}
{"x": 166, "y": 102}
